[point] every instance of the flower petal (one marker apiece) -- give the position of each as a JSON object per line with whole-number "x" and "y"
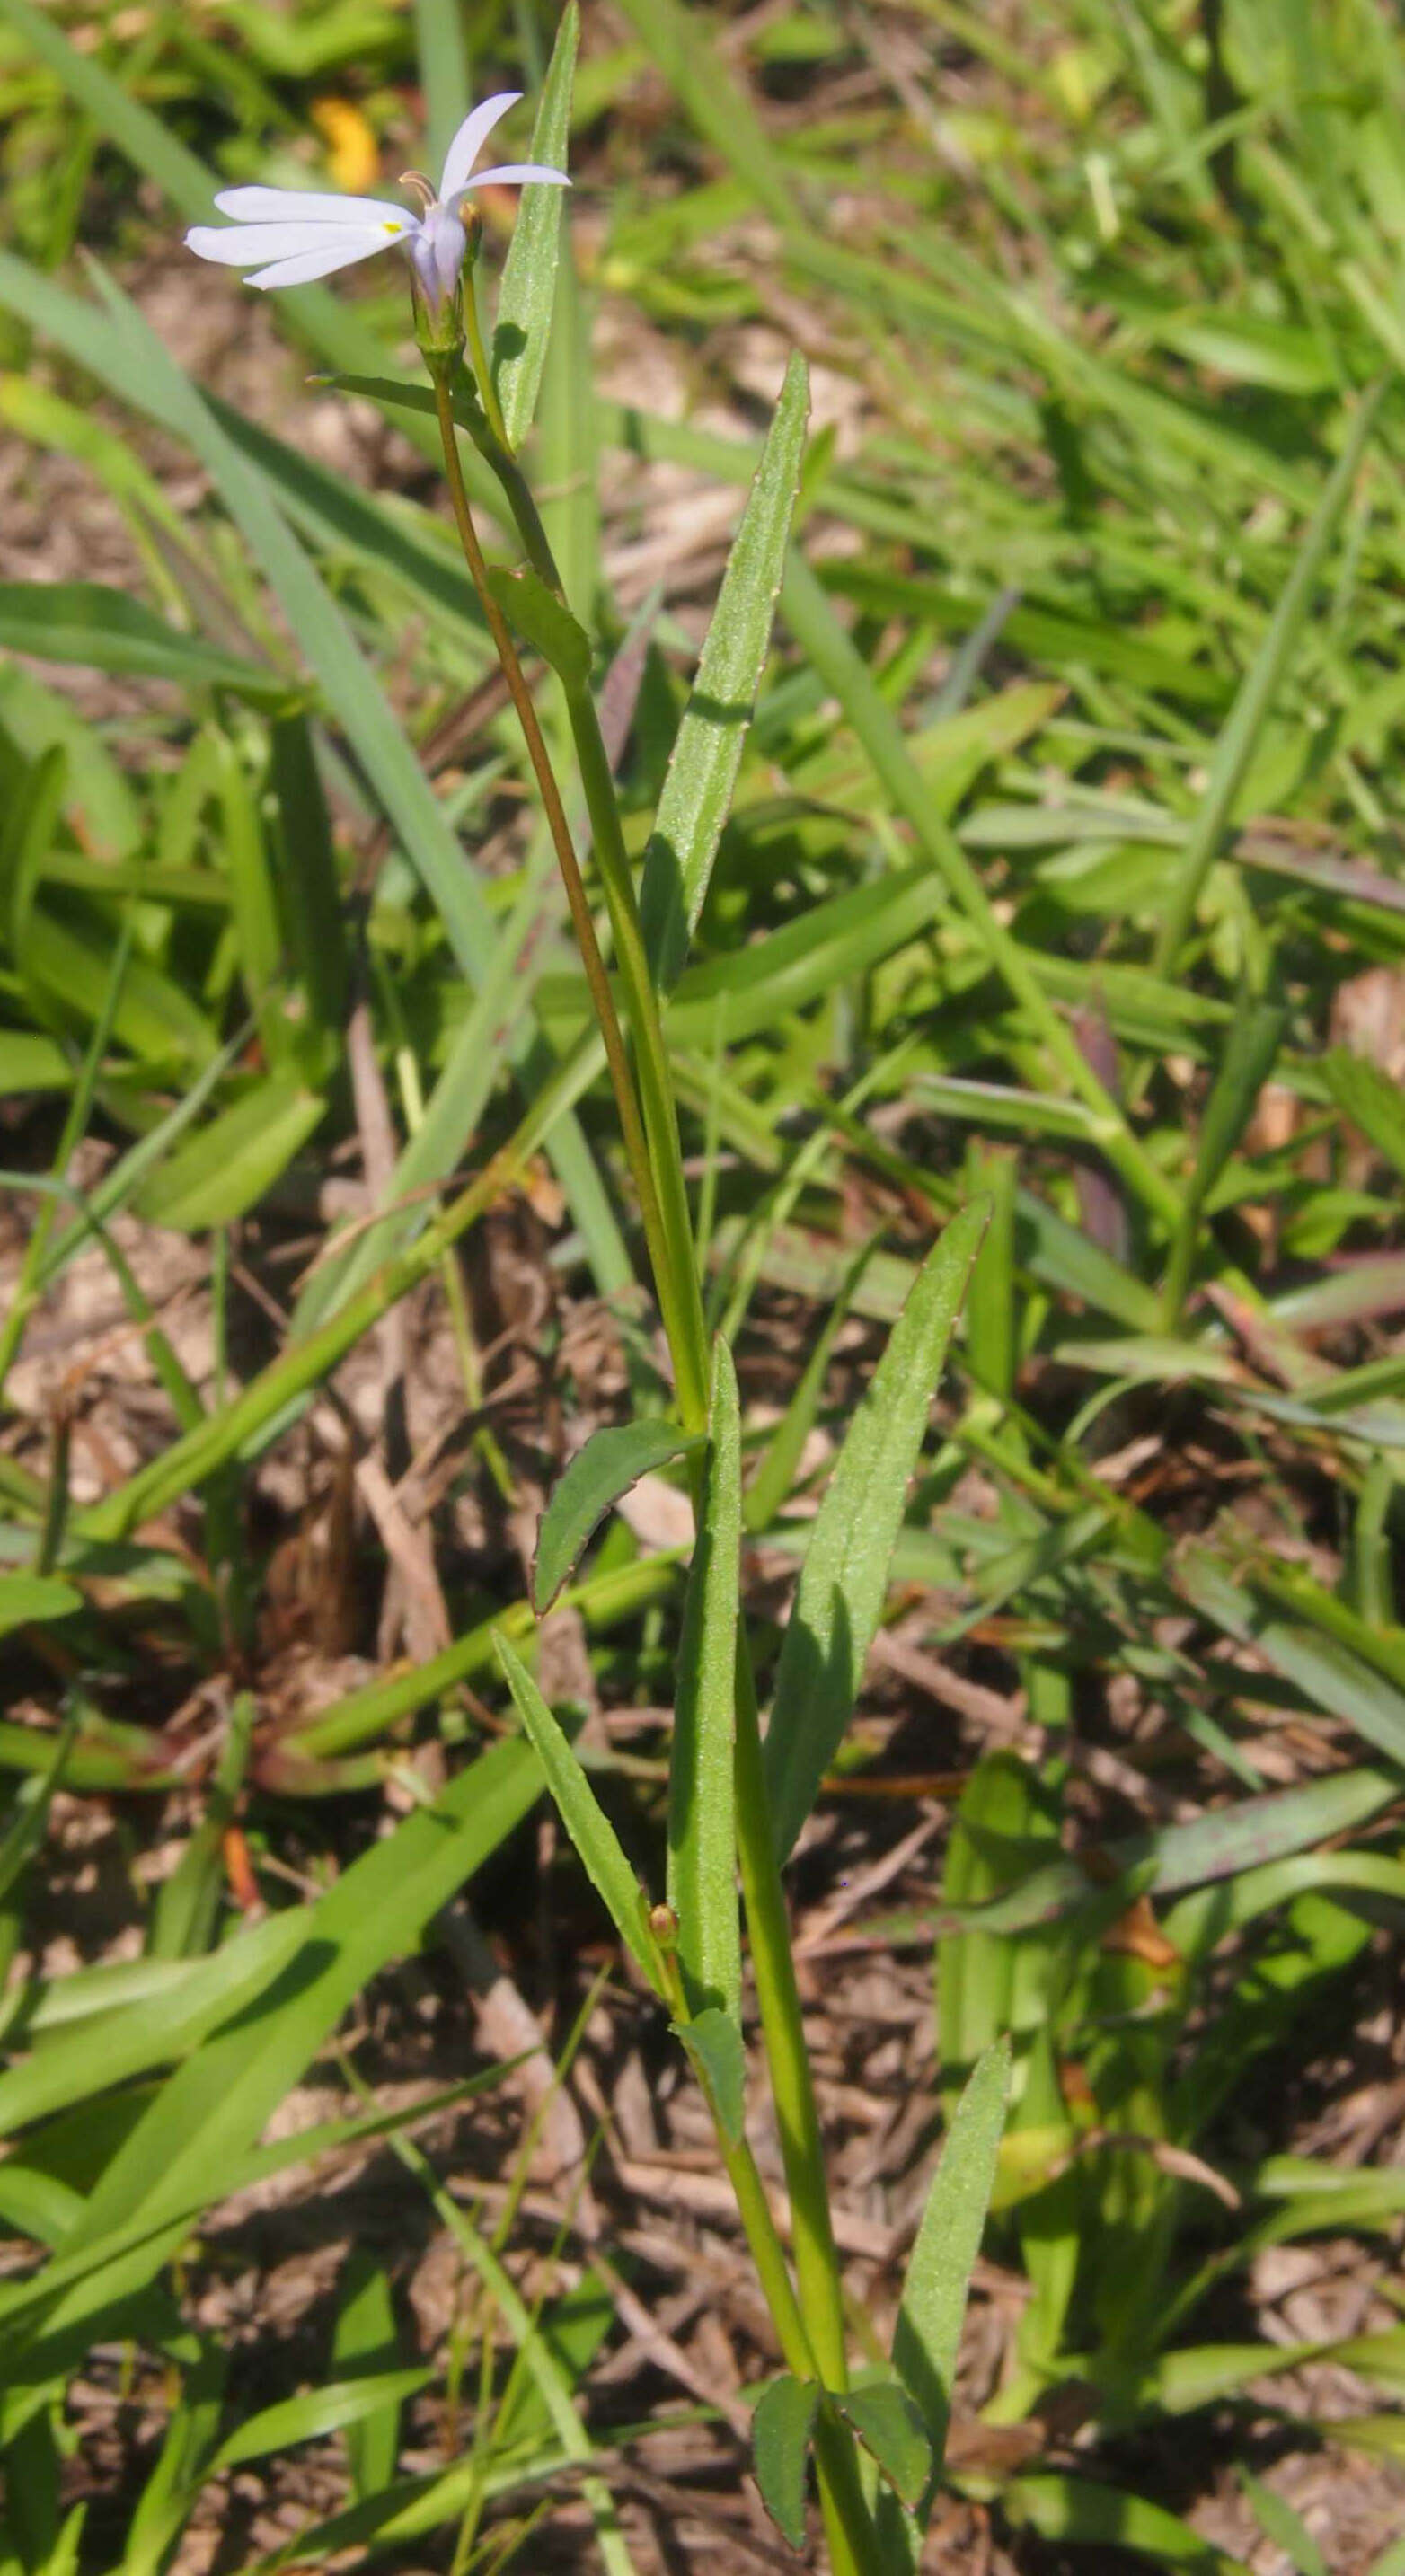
{"x": 515, "y": 174}
{"x": 307, "y": 206}
{"x": 320, "y": 257}
{"x": 244, "y": 245}
{"x": 470, "y": 139}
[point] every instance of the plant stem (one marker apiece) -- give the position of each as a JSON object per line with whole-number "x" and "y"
{"x": 690, "y": 1353}
{"x": 797, "y": 2118}
{"x": 631, "y": 1127}
{"x": 810, "y": 2331}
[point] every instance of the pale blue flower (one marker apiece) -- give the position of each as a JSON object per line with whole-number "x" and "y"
{"x": 297, "y": 235}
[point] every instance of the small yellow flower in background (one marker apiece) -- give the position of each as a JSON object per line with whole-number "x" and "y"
{"x": 353, "y": 154}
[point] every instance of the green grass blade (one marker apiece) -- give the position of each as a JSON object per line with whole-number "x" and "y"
{"x": 770, "y": 1486}
{"x": 366, "y": 2340}
{"x": 845, "y": 1576}
{"x": 702, "y": 772}
{"x": 442, "y": 56}
{"x": 83, "y": 621}
{"x": 82, "y": 2057}
{"x": 1250, "y": 1834}
{"x": 1259, "y": 691}
{"x": 683, "y": 46}
{"x": 206, "y": 2116}
{"x": 226, "y": 1167}
{"x": 811, "y": 620}
{"x": 351, "y": 687}
{"x": 1070, "y": 2509}
{"x": 1332, "y": 1678}
{"x": 329, "y": 2409}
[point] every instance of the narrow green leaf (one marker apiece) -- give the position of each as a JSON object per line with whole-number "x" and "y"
{"x": 1179, "y": 2383}
{"x": 307, "y": 872}
{"x": 86, "y": 2057}
{"x": 683, "y": 45}
{"x": 124, "y": 348}
{"x": 597, "y": 1844}
{"x": 770, "y": 1486}
{"x": 890, "y": 2428}
{"x": 442, "y": 56}
{"x": 471, "y": 1071}
{"x": 713, "y": 2040}
{"x": 62, "y": 2207}
{"x": 1383, "y": 2436}
{"x": 543, "y": 620}
{"x": 528, "y": 289}
{"x": 702, "y": 771}
{"x": 605, "y": 1468}
{"x": 780, "y": 2431}
{"x": 224, "y": 1170}
{"x": 702, "y": 1850}
{"x": 843, "y": 1582}
{"x": 191, "y": 2432}
{"x": 83, "y": 621}
{"x": 1366, "y": 1095}
{"x": 1075, "y": 2509}
{"x": 187, "y": 1909}
{"x": 32, "y": 1599}
{"x": 1248, "y": 1059}
{"x": 1005, "y": 1824}
{"x": 311, "y": 2418}
{"x": 185, "y": 2147}
{"x": 29, "y": 1812}
{"x": 843, "y": 668}
{"x": 1249, "y": 1834}
{"x": 365, "y": 2340}
{"x": 1332, "y": 1678}
{"x": 1260, "y": 687}
{"x": 928, "y": 2329}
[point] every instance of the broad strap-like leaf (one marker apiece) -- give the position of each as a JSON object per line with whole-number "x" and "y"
{"x": 597, "y": 1844}
{"x": 839, "y": 1600}
{"x": 528, "y": 289}
{"x": 702, "y": 772}
{"x": 225, "y": 1169}
{"x": 1065, "y": 2508}
{"x": 366, "y": 2342}
{"x": 780, "y": 2431}
{"x": 310, "y": 2418}
{"x": 702, "y": 1853}
{"x": 610, "y": 1462}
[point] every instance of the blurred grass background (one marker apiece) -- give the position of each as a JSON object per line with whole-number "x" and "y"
{"x": 1065, "y": 866}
